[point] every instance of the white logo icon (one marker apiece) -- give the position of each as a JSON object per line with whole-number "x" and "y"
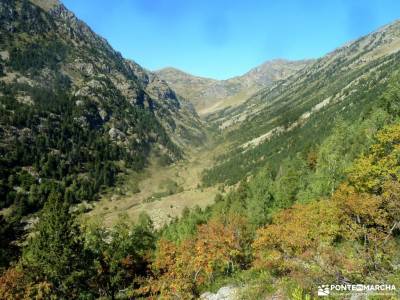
{"x": 323, "y": 290}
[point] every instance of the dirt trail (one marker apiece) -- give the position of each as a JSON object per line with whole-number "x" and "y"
{"x": 160, "y": 207}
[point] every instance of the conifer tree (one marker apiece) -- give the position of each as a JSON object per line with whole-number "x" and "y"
{"x": 55, "y": 251}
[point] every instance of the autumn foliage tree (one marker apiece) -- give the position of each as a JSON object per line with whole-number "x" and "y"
{"x": 295, "y": 237}
{"x": 218, "y": 248}
{"x": 371, "y": 171}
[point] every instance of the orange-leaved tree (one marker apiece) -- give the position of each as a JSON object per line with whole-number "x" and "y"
{"x": 14, "y": 285}
{"x": 217, "y": 248}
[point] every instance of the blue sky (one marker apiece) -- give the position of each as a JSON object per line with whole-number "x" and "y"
{"x": 225, "y": 38}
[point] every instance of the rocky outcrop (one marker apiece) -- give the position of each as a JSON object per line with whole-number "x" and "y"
{"x": 224, "y": 293}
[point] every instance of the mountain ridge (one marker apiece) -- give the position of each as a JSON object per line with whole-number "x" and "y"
{"x": 209, "y": 95}
{"x": 345, "y": 84}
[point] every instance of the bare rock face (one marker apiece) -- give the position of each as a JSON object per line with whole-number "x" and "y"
{"x": 116, "y": 135}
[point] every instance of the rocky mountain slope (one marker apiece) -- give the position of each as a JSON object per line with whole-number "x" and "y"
{"x": 284, "y": 118}
{"x": 209, "y": 95}
{"x": 69, "y": 99}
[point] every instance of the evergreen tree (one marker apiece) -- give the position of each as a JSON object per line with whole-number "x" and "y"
{"x": 55, "y": 251}
{"x": 120, "y": 255}
{"x": 9, "y": 230}
{"x": 260, "y": 200}
{"x": 291, "y": 179}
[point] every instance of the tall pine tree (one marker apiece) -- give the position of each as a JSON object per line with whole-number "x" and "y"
{"x": 55, "y": 251}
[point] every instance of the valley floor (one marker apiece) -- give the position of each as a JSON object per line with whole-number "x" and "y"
{"x": 162, "y": 192}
